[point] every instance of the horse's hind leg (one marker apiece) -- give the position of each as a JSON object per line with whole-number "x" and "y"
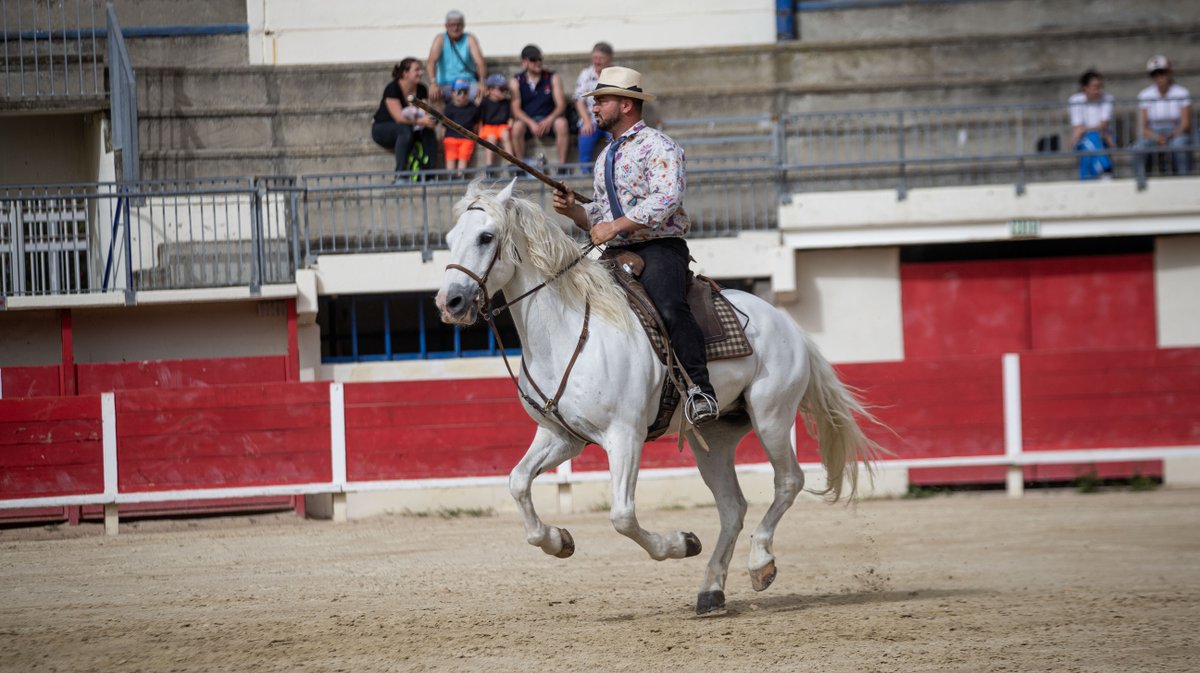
{"x": 547, "y": 451}
{"x": 774, "y": 427}
{"x": 624, "y": 453}
{"x": 717, "y": 468}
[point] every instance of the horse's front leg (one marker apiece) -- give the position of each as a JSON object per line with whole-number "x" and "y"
{"x": 547, "y": 451}
{"x": 624, "y": 453}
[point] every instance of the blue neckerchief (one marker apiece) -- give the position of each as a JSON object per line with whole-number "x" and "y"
{"x": 614, "y": 204}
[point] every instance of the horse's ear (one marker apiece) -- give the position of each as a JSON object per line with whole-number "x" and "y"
{"x": 506, "y": 193}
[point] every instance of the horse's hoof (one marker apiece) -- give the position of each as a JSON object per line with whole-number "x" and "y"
{"x": 693, "y": 545}
{"x": 761, "y": 579}
{"x": 568, "y": 547}
{"x": 708, "y": 602}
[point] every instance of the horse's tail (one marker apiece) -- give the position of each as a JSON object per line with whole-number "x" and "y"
{"x": 828, "y": 408}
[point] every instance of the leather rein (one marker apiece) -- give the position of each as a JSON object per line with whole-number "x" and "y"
{"x": 548, "y": 405}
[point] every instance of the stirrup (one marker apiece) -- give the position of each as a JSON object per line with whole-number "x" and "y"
{"x": 700, "y": 407}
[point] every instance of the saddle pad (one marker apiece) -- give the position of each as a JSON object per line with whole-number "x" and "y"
{"x": 724, "y": 335}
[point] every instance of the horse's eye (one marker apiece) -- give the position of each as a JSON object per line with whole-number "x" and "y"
{"x": 485, "y": 238}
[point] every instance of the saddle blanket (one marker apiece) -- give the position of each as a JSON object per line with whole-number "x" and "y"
{"x": 724, "y": 334}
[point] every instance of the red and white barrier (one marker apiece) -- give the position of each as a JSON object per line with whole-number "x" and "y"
{"x": 287, "y": 439}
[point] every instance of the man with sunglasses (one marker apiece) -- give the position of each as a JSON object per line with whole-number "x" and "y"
{"x": 539, "y": 105}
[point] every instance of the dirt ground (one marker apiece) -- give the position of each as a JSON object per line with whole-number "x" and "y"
{"x": 1057, "y": 581}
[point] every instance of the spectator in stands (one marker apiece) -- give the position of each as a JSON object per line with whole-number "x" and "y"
{"x": 589, "y": 133}
{"x": 538, "y": 105}
{"x": 1091, "y": 117}
{"x": 1165, "y": 116}
{"x": 455, "y": 55}
{"x": 463, "y": 111}
{"x": 402, "y": 127}
{"x": 495, "y": 114}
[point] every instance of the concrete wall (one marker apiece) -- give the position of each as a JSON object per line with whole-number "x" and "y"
{"x": 179, "y": 331}
{"x": 51, "y": 148}
{"x": 319, "y": 31}
{"x": 849, "y": 301}
{"x": 1177, "y": 281}
{"x": 960, "y": 214}
{"x": 994, "y": 16}
{"x": 30, "y": 338}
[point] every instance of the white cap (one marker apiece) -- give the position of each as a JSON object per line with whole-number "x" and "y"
{"x": 1157, "y": 62}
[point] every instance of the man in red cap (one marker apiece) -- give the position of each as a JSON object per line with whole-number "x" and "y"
{"x": 1165, "y": 115}
{"x": 639, "y": 181}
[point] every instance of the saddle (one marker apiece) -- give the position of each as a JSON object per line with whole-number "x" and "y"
{"x": 724, "y": 334}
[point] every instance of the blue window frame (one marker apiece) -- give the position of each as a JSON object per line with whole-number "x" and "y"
{"x": 382, "y": 327}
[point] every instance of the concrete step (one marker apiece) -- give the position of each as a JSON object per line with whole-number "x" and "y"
{"x": 236, "y": 120}
{"x": 812, "y": 66}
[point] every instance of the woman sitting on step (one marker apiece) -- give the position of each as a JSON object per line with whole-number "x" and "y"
{"x": 400, "y": 126}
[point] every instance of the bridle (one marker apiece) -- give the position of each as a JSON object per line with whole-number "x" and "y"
{"x": 548, "y": 405}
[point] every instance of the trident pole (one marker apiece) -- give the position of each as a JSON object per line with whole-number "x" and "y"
{"x": 450, "y": 123}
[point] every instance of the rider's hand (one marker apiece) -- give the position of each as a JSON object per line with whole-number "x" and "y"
{"x": 564, "y": 202}
{"x": 603, "y": 232}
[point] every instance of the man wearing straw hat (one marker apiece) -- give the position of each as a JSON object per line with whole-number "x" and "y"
{"x": 639, "y": 183}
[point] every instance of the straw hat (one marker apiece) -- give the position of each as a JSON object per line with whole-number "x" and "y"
{"x": 618, "y": 81}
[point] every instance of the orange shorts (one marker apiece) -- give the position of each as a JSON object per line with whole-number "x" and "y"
{"x": 492, "y": 132}
{"x": 458, "y": 148}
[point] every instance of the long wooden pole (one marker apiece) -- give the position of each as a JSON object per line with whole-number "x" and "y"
{"x": 450, "y": 123}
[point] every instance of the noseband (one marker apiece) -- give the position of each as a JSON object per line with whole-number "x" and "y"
{"x": 483, "y": 300}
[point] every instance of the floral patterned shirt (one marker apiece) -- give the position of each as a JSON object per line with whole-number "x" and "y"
{"x": 649, "y": 172}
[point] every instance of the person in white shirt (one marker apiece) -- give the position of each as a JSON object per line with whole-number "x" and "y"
{"x": 1165, "y": 115}
{"x": 589, "y": 133}
{"x": 1091, "y": 120}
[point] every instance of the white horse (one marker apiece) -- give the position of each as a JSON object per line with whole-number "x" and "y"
{"x": 504, "y": 243}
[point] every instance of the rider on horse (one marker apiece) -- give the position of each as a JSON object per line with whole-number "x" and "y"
{"x": 638, "y": 206}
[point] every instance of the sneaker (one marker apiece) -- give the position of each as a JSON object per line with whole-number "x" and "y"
{"x": 700, "y": 407}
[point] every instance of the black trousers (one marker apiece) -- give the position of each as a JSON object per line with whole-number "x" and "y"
{"x": 400, "y": 138}
{"x": 665, "y": 278}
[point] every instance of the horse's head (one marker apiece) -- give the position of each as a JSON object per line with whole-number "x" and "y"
{"x": 478, "y": 265}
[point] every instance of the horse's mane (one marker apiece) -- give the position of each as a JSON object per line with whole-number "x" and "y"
{"x": 524, "y": 226}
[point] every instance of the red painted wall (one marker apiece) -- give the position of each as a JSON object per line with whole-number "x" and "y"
{"x": 434, "y": 429}
{"x": 992, "y": 307}
{"x": 965, "y": 308}
{"x": 1111, "y": 399}
{"x": 25, "y": 382}
{"x": 164, "y": 374}
{"x": 934, "y": 408}
{"x": 50, "y": 447}
{"x": 1092, "y": 303}
{"x": 274, "y": 433}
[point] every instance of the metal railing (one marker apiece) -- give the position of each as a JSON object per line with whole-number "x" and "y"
{"x": 117, "y": 237}
{"x": 51, "y": 50}
{"x": 123, "y": 102}
{"x": 132, "y": 236}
